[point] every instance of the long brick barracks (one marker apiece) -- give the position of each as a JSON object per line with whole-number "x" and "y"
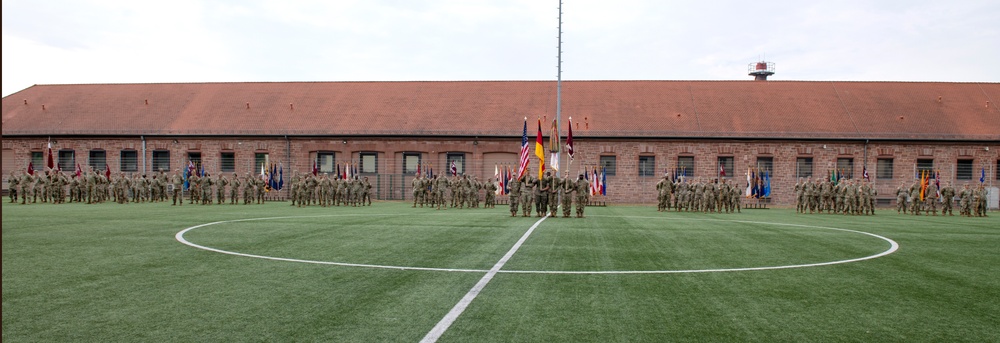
{"x": 635, "y": 130}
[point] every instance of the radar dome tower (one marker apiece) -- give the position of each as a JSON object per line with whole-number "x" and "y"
{"x": 761, "y": 70}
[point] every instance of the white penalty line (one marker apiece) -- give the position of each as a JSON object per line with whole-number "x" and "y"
{"x": 456, "y": 311}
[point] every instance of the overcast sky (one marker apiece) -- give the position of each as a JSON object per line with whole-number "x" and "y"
{"x": 129, "y": 41}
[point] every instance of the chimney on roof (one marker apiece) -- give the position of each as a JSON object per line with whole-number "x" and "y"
{"x": 761, "y": 70}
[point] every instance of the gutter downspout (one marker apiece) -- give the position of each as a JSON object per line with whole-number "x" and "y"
{"x": 143, "y": 138}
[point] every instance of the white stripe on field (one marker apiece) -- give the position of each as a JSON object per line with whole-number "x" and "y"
{"x": 456, "y": 311}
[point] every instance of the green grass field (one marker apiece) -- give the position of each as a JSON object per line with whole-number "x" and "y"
{"x": 116, "y": 273}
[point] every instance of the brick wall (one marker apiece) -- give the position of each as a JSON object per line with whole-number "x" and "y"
{"x": 626, "y": 186}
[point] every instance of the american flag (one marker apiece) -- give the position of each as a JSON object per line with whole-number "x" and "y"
{"x": 522, "y": 167}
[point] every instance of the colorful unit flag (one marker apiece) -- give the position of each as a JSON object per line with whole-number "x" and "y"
{"x": 454, "y": 168}
{"x": 31, "y": 168}
{"x": 569, "y": 139}
{"x": 51, "y": 163}
{"x": 540, "y": 151}
{"x": 554, "y": 146}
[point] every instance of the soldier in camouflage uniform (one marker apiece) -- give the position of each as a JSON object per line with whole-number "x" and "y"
{"x": 902, "y": 192}
{"x": 582, "y": 195}
{"x": 366, "y": 192}
{"x": 491, "y": 194}
{"x": 528, "y": 194}
{"x": 947, "y": 198}
{"x": 555, "y": 184}
{"x": 915, "y": 201}
{"x": 566, "y": 192}
{"x": 930, "y": 200}
{"x": 514, "y": 195}
{"x": 440, "y": 185}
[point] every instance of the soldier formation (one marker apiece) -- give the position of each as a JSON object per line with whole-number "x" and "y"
{"x": 699, "y": 195}
{"x": 545, "y": 195}
{"x": 971, "y": 200}
{"x": 56, "y": 187}
{"x": 848, "y": 197}
{"x": 308, "y": 189}
{"x": 456, "y": 192}
{"x": 527, "y": 195}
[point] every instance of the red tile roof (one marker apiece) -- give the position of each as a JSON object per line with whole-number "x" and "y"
{"x": 737, "y": 109}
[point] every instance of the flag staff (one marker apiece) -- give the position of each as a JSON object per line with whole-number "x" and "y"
{"x": 559, "y": 78}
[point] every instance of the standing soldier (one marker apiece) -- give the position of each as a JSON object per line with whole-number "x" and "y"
{"x": 491, "y": 194}
{"x": 553, "y": 201}
{"x": 901, "y": 193}
{"x": 930, "y": 198}
{"x": 234, "y": 189}
{"x": 514, "y": 196}
{"x": 12, "y": 186}
{"x": 220, "y": 189}
{"x": 418, "y": 190}
{"x": 542, "y": 194}
{"x": 366, "y": 192}
{"x": 979, "y": 196}
{"x": 177, "y": 188}
{"x": 947, "y": 198}
{"x": 528, "y": 194}
{"x": 566, "y": 192}
{"x": 582, "y": 193}
{"x": 915, "y": 199}
{"x": 440, "y": 184}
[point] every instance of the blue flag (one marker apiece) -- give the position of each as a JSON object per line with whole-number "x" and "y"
{"x": 982, "y": 176}
{"x": 281, "y": 177}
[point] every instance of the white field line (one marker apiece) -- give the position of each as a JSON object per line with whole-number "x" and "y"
{"x": 456, "y": 311}
{"x": 893, "y": 247}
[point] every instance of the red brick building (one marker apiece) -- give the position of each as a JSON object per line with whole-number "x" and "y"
{"x": 638, "y": 129}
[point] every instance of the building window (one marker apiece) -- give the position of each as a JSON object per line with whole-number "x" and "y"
{"x": 67, "y": 160}
{"x": 459, "y": 162}
{"x": 326, "y": 162}
{"x": 227, "y": 162}
{"x": 37, "y": 160}
{"x": 924, "y": 166}
{"x": 98, "y": 159}
{"x": 846, "y": 167}
{"x": 260, "y": 160}
{"x": 609, "y": 165}
{"x": 647, "y": 166}
{"x": 129, "y": 161}
{"x": 883, "y": 169}
{"x": 804, "y": 167}
{"x": 161, "y": 160}
{"x": 963, "y": 171}
{"x": 685, "y": 166}
{"x": 766, "y": 164}
{"x": 410, "y": 162}
{"x": 369, "y": 163}
{"x": 725, "y": 167}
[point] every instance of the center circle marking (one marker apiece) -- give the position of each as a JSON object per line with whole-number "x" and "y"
{"x": 893, "y": 246}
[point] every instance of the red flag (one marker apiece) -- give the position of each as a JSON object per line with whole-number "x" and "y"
{"x": 722, "y": 170}
{"x": 51, "y": 164}
{"x": 540, "y": 151}
{"x": 31, "y": 168}
{"x": 454, "y": 168}
{"x": 315, "y": 168}
{"x": 569, "y": 139}
{"x": 418, "y": 170}
{"x": 107, "y": 171}
{"x": 79, "y": 171}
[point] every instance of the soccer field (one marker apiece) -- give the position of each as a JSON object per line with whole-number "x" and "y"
{"x": 391, "y": 273}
